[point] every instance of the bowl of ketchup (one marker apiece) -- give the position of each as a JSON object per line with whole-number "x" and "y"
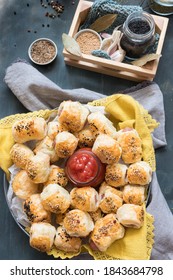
{"x": 84, "y": 168}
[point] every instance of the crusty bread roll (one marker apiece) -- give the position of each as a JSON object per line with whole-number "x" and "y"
{"x": 57, "y": 176}
{"x": 42, "y": 236}
{"x": 107, "y": 149}
{"x": 20, "y": 155}
{"x": 99, "y": 123}
{"x": 131, "y": 215}
{"x": 85, "y": 137}
{"x": 53, "y": 128}
{"x": 34, "y": 210}
{"x": 38, "y": 168}
{"x": 131, "y": 145}
{"x": 115, "y": 175}
{"x": 65, "y": 144}
{"x": 63, "y": 241}
{"x": 34, "y": 128}
{"x": 55, "y": 198}
{"x": 134, "y": 194}
{"x": 84, "y": 198}
{"x": 22, "y": 186}
{"x": 72, "y": 115}
{"x": 46, "y": 146}
{"x": 106, "y": 231}
{"x": 78, "y": 223}
{"x": 110, "y": 200}
{"x": 139, "y": 173}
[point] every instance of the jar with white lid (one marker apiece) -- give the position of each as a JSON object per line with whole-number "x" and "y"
{"x": 138, "y": 34}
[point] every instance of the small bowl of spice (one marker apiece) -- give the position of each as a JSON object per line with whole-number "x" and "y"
{"x": 88, "y": 40}
{"x": 42, "y": 51}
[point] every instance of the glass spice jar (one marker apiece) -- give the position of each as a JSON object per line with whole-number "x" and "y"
{"x": 138, "y": 34}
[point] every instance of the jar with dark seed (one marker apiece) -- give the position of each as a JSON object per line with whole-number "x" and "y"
{"x": 138, "y": 34}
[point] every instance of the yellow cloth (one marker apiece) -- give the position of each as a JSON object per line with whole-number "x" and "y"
{"x": 124, "y": 111}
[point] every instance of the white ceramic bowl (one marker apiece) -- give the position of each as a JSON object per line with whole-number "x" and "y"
{"x": 85, "y": 31}
{"x": 42, "y": 51}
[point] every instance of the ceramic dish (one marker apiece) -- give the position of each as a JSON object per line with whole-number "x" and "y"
{"x": 42, "y": 51}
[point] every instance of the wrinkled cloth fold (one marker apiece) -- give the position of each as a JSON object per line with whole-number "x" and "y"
{"x": 36, "y": 92}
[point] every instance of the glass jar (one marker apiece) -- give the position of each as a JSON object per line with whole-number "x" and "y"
{"x": 84, "y": 168}
{"x": 161, "y": 7}
{"x": 138, "y": 34}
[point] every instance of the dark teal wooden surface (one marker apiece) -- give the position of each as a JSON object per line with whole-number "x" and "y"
{"x": 17, "y": 18}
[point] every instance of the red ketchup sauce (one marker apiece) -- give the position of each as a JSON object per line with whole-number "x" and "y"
{"x": 84, "y": 168}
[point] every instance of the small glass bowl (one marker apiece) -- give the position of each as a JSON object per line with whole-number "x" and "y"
{"x": 42, "y": 51}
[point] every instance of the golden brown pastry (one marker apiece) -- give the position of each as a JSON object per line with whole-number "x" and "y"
{"x": 72, "y": 115}
{"x": 107, "y": 149}
{"x": 99, "y": 123}
{"x": 84, "y": 198}
{"x": 85, "y": 137}
{"x": 78, "y": 223}
{"x": 96, "y": 215}
{"x": 53, "y": 128}
{"x": 34, "y": 128}
{"x": 134, "y": 194}
{"x": 106, "y": 231}
{"x": 110, "y": 200}
{"x": 60, "y": 217}
{"x": 139, "y": 173}
{"x": 20, "y": 155}
{"x": 104, "y": 186}
{"x": 55, "y": 198}
{"x": 65, "y": 144}
{"x": 42, "y": 236}
{"x": 22, "y": 186}
{"x": 46, "y": 146}
{"x": 131, "y": 145}
{"x": 57, "y": 176}
{"x": 63, "y": 241}
{"x": 38, "y": 168}
{"x": 115, "y": 175}
{"x": 131, "y": 215}
{"x": 34, "y": 210}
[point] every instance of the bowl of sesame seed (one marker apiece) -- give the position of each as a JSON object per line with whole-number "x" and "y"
{"x": 42, "y": 51}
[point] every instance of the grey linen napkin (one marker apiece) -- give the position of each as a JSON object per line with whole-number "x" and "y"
{"x": 37, "y": 92}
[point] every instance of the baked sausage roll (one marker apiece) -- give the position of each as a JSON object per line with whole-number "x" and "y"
{"x": 55, "y": 198}
{"x": 131, "y": 215}
{"x": 72, "y": 115}
{"x": 134, "y": 194}
{"x": 96, "y": 215}
{"x": 42, "y": 236}
{"x": 107, "y": 149}
{"x": 53, "y": 128}
{"x": 46, "y": 146}
{"x": 38, "y": 168}
{"x": 63, "y": 241}
{"x": 139, "y": 173}
{"x": 105, "y": 186}
{"x": 22, "y": 186}
{"x": 131, "y": 145}
{"x": 78, "y": 223}
{"x": 99, "y": 123}
{"x": 34, "y": 210}
{"x": 84, "y": 198}
{"x": 85, "y": 137}
{"x": 57, "y": 176}
{"x": 65, "y": 144}
{"x": 20, "y": 155}
{"x": 34, "y": 128}
{"x": 110, "y": 200}
{"x": 115, "y": 175}
{"x": 106, "y": 231}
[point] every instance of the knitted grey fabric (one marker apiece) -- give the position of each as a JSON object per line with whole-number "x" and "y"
{"x": 103, "y": 7}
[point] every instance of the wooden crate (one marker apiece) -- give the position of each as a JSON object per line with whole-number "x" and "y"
{"x": 108, "y": 67}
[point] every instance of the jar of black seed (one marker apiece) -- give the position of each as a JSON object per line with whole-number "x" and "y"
{"x": 138, "y": 34}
